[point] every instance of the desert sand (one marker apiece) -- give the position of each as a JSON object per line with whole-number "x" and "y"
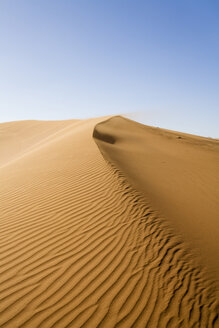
{"x": 107, "y": 223}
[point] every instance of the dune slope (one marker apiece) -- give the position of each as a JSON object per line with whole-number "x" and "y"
{"x": 178, "y": 172}
{"x": 18, "y": 138}
{"x": 80, "y": 247}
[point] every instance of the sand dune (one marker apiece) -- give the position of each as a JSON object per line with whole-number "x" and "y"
{"x": 178, "y": 172}
{"x": 19, "y": 138}
{"x": 85, "y": 243}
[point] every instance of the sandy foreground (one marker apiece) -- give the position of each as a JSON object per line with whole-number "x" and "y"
{"x": 107, "y": 223}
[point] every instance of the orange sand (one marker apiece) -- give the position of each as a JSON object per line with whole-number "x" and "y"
{"x": 127, "y": 239}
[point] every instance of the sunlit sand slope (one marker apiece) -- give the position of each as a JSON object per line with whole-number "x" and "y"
{"x": 178, "y": 172}
{"x": 80, "y": 247}
{"x": 18, "y": 138}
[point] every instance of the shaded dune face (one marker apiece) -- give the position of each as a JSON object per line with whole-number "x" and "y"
{"x": 102, "y": 136}
{"x": 80, "y": 247}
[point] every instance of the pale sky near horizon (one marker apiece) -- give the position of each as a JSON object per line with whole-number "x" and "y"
{"x": 158, "y": 60}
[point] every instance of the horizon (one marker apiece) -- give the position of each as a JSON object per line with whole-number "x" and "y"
{"x": 76, "y": 59}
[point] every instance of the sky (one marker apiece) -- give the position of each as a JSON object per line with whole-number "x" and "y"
{"x": 157, "y": 61}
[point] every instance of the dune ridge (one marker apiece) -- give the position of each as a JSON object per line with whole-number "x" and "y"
{"x": 80, "y": 247}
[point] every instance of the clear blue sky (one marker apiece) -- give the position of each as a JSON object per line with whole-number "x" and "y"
{"x": 62, "y": 59}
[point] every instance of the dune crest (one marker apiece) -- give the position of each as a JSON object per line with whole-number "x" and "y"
{"x": 80, "y": 247}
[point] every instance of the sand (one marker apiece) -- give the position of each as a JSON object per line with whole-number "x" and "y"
{"x": 119, "y": 230}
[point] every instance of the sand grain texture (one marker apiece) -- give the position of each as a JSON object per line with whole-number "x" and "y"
{"x": 81, "y": 245}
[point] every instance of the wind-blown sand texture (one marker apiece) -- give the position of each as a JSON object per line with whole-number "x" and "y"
{"x": 99, "y": 241}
